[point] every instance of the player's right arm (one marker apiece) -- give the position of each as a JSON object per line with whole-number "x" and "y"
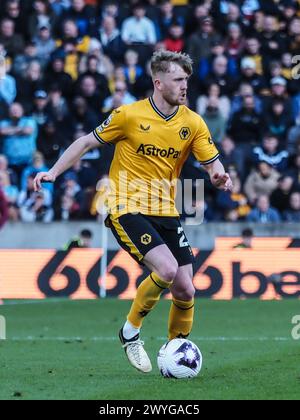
{"x": 67, "y": 160}
{"x": 111, "y": 130}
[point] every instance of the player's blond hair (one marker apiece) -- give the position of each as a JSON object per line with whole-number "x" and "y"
{"x": 161, "y": 61}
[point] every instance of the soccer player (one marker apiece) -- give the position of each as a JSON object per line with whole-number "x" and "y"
{"x": 153, "y": 139}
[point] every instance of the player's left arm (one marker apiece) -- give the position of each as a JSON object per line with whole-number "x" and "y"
{"x": 218, "y": 176}
{"x": 206, "y": 152}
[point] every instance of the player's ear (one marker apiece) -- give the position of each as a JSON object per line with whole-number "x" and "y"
{"x": 157, "y": 83}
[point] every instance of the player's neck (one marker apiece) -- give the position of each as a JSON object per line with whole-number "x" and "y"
{"x": 164, "y": 107}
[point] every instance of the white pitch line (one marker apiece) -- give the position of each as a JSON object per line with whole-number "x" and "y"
{"x": 37, "y": 302}
{"x": 199, "y": 339}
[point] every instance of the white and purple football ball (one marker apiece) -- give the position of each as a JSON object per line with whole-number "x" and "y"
{"x": 179, "y": 358}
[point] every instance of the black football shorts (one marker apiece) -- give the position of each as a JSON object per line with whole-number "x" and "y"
{"x": 138, "y": 234}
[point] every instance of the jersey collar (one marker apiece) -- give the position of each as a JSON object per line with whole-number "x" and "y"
{"x": 165, "y": 117}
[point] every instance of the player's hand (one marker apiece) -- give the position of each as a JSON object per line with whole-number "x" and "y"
{"x": 222, "y": 182}
{"x": 42, "y": 177}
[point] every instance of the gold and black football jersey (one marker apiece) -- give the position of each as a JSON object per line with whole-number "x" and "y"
{"x": 151, "y": 149}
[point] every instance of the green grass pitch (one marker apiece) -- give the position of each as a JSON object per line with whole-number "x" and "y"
{"x": 69, "y": 350}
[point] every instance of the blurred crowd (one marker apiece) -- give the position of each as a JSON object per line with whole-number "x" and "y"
{"x": 69, "y": 63}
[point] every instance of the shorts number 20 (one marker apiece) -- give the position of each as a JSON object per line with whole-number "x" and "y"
{"x": 182, "y": 241}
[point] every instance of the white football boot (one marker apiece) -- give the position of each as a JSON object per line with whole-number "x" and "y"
{"x": 135, "y": 352}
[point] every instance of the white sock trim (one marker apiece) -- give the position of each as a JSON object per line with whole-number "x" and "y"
{"x": 129, "y": 331}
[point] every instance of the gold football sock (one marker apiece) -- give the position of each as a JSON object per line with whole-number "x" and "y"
{"x": 181, "y": 318}
{"x": 148, "y": 294}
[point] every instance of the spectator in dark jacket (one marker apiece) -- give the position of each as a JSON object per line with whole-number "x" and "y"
{"x": 292, "y": 215}
{"x": 293, "y": 35}
{"x": 293, "y": 137}
{"x": 200, "y": 43}
{"x": 89, "y": 91}
{"x": 111, "y": 40}
{"x": 247, "y": 124}
{"x": 92, "y": 71}
{"x": 15, "y": 11}
{"x": 278, "y": 120}
{"x": 280, "y": 198}
{"x": 219, "y": 75}
{"x": 272, "y": 42}
{"x": 294, "y": 171}
{"x": 250, "y": 76}
{"x": 278, "y": 92}
{"x": 83, "y": 115}
{"x": 271, "y": 152}
{"x": 56, "y": 75}
{"x": 29, "y": 83}
{"x": 12, "y": 42}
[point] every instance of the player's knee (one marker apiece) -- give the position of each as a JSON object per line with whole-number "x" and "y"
{"x": 168, "y": 270}
{"x": 189, "y": 293}
{"x": 186, "y": 294}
